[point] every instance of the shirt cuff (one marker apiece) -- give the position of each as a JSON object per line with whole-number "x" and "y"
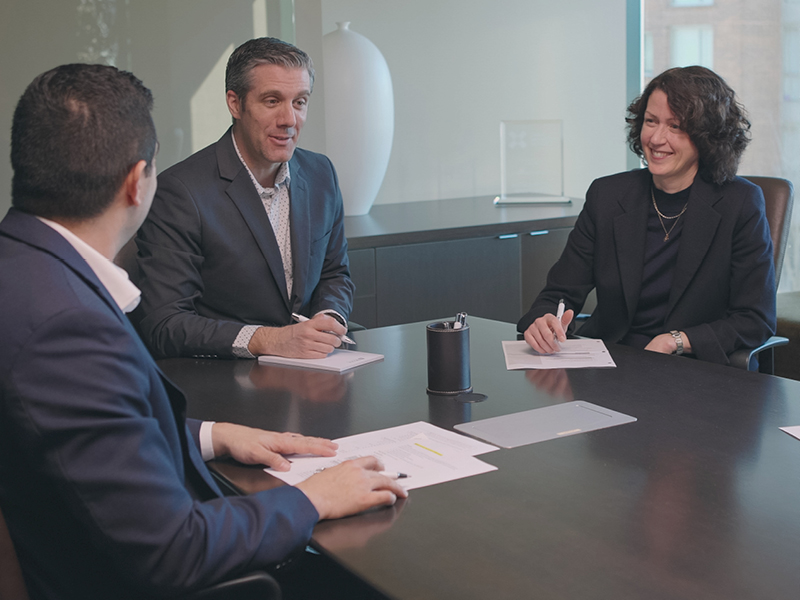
{"x": 243, "y": 340}
{"x": 206, "y": 443}
{"x": 335, "y": 315}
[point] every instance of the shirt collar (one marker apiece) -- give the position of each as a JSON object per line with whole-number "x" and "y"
{"x": 115, "y": 279}
{"x": 282, "y": 178}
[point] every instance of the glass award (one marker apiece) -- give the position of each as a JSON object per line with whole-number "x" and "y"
{"x": 531, "y": 163}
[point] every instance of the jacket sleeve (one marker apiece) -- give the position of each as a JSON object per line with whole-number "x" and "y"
{"x": 170, "y": 262}
{"x": 334, "y": 289}
{"x": 572, "y": 276}
{"x": 101, "y": 431}
{"x": 750, "y": 317}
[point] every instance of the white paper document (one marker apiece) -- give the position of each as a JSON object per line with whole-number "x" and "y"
{"x": 426, "y": 453}
{"x": 795, "y": 431}
{"x": 338, "y": 361}
{"x": 574, "y": 354}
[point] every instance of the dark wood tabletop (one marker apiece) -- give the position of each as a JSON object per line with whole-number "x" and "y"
{"x": 699, "y": 498}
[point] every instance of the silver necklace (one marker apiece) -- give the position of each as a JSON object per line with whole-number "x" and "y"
{"x": 662, "y": 216}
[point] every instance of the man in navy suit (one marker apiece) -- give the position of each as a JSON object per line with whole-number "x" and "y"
{"x": 102, "y": 480}
{"x": 249, "y": 230}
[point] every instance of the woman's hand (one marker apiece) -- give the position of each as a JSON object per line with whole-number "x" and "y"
{"x": 545, "y": 333}
{"x": 666, "y": 344}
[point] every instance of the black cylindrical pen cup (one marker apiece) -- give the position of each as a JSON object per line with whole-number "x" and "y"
{"x": 448, "y": 359}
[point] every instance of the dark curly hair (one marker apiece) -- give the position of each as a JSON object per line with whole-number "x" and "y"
{"x": 708, "y": 112}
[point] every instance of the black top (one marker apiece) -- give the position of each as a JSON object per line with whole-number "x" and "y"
{"x": 660, "y": 258}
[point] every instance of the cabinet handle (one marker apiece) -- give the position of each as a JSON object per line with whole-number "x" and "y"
{"x": 540, "y": 232}
{"x": 508, "y": 236}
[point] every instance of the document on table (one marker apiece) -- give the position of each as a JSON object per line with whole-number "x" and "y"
{"x": 574, "y": 354}
{"x": 337, "y": 361}
{"x": 795, "y": 431}
{"x": 426, "y": 453}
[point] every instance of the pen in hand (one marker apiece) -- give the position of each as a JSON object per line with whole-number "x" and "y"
{"x": 559, "y": 315}
{"x": 343, "y": 338}
{"x": 394, "y": 474}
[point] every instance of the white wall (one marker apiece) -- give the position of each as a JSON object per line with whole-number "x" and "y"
{"x": 172, "y": 45}
{"x": 459, "y": 67}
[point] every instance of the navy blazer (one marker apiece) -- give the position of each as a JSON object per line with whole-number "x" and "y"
{"x": 101, "y": 482}
{"x": 208, "y": 260}
{"x": 723, "y": 288}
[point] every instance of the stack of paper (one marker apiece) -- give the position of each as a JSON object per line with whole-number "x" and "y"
{"x": 426, "y": 453}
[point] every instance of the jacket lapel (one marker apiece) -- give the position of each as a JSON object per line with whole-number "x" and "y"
{"x": 701, "y": 224}
{"x": 242, "y": 193}
{"x": 301, "y": 230}
{"x": 630, "y": 233}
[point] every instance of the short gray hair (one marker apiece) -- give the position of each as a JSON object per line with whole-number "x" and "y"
{"x": 263, "y": 51}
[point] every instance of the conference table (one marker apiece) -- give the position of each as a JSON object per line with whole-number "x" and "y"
{"x": 698, "y": 498}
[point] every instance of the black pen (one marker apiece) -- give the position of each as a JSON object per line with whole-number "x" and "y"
{"x": 394, "y": 474}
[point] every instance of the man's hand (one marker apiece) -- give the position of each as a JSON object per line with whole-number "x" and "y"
{"x": 309, "y": 339}
{"x": 258, "y": 447}
{"x": 545, "y": 333}
{"x": 665, "y": 344}
{"x": 351, "y": 487}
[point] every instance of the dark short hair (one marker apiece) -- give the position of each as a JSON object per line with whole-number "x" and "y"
{"x": 708, "y": 112}
{"x": 263, "y": 51}
{"x": 77, "y": 131}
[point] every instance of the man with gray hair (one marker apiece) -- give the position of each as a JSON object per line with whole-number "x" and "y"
{"x": 249, "y": 231}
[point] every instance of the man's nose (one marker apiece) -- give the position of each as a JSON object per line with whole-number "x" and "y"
{"x": 287, "y": 116}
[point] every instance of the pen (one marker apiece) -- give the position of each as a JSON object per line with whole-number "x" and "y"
{"x": 560, "y": 313}
{"x": 302, "y": 319}
{"x": 394, "y": 474}
{"x": 460, "y": 321}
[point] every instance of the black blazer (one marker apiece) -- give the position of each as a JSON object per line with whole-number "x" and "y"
{"x": 723, "y": 289}
{"x": 209, "y": 263}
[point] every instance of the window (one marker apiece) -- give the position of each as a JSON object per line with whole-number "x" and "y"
{"x": 692, "y": 2}
{"x": 692, "y": 45}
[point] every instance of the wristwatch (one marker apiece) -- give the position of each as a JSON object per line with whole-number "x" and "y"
{"x": 678, "y": 341}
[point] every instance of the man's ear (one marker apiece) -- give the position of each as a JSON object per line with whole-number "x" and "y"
{"x": 234, "y": 104}
{"x": 134, "y": 184}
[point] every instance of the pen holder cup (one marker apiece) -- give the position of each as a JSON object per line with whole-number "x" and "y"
{"x": 448, "y": 359}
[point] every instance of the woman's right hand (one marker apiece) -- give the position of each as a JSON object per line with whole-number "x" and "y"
{"x": 545, "y": 333}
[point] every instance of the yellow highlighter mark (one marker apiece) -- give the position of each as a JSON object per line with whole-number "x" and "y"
{"x": 428, "y": 449}
{"x": 568, "y": 432}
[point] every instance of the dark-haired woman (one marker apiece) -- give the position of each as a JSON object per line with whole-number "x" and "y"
{"x": 680, "y": 252}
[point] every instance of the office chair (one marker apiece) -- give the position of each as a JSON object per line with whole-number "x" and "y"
{"x": 254, "y": 586}
{"x": 779, "y": 198}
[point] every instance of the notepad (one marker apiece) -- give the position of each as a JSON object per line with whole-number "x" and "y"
{"x": 541, "y": 424}
{"x": 337, "y": 361}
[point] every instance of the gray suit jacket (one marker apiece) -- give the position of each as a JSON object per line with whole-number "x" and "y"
{"x": 723, "y": 289}
{"x": 209, "y": 262}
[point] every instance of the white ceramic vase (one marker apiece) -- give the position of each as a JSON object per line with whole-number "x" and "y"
{"x": 359, "y": 115}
